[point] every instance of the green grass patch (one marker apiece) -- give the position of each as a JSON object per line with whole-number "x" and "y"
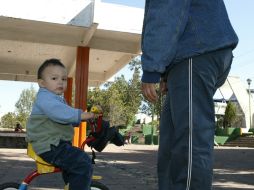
{"x": 221, "y": 140}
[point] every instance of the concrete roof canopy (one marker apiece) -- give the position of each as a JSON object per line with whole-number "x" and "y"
{"x": 32, "y": 31}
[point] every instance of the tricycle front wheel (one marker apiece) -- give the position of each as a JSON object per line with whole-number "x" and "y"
{"x": 9, "y": 186}
{"x": 98, "y": 186}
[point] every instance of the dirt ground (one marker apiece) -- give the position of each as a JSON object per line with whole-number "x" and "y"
{"x": 134, "y": 167}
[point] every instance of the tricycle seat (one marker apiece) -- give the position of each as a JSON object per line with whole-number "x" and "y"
{"x": 42, "y": 166}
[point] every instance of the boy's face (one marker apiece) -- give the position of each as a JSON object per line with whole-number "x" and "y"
{"x": 54, "y": 78}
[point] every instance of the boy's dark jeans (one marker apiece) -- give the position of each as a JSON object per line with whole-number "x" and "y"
{"x": 75, "y": 164}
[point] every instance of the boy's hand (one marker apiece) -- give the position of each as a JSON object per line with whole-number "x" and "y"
{"x": 87, "y": 115}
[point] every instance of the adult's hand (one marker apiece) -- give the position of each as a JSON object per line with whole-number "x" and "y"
{"x": 149, "y": 91}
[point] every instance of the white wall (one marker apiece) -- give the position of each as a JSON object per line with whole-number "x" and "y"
{"x": 118, "y": 17}
{"x": 109, "y": 16}
{"x": 76, "y": 12}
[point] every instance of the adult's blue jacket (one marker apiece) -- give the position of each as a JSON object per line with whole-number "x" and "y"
{"x": 174, "y": 30}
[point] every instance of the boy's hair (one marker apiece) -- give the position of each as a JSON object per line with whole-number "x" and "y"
{"x": 48, "y": 62}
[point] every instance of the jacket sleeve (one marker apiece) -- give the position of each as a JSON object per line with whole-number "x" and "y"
{"x": 164, "y": 23}
{"x": 57, "y": 110}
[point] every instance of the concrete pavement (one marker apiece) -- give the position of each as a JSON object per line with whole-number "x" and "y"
{"x": 133, "y": 167}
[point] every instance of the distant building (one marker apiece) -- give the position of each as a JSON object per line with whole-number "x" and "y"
{"x": 235, "y": 90}
{"x": 143, "y": 118}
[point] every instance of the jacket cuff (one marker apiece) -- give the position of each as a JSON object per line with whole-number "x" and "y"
{"x": 76, "y": 124}
{"x": 151, "y": 77}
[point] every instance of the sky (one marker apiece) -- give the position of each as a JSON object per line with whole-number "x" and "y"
{"x": 240, "y": 13}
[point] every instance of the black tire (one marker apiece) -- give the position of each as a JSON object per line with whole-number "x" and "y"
{"x": 9, "y": 186}
{"x": 98, "y": 186}
{"x": 15, "y": 186}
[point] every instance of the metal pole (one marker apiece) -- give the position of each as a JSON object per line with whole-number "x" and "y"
{"x": 152, "y": 135}
{"x": 152, "y": 125}
{"x": 249, "y": 82}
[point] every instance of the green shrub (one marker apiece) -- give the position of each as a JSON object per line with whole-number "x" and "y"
{"x": 230, "y": 115}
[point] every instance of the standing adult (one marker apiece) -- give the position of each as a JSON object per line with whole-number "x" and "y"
{"x": 187, "y": 47}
